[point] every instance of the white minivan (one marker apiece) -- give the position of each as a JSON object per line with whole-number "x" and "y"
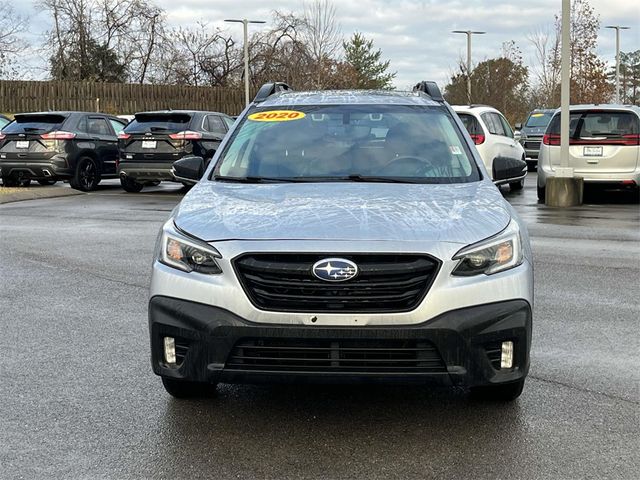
{"x": 604, "y": 146}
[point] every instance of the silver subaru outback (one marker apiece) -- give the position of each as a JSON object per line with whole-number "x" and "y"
{"x": 342, "y": 236}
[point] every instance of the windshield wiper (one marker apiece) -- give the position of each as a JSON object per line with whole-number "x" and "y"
{"x": 356, "y": 177}
{"x": 254, "y": 179}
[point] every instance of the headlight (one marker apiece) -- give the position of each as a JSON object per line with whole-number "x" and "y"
{"x": 188, "y": 255}
{"x": 496, "y": 254}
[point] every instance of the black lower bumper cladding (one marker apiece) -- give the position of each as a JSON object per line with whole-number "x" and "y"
{"x": 461, "y": 347}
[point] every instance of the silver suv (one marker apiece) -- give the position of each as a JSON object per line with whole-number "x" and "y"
{"x": 342, "y": 236}
{"x": 604, "y": 146}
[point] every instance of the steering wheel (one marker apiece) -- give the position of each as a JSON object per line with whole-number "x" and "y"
{"x": 409, "y": 165}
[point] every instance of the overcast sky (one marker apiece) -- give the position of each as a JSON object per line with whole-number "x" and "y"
{"x": 413, "y": 34}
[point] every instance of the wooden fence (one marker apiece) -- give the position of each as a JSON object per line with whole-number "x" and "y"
{"x": 115, "y": 98}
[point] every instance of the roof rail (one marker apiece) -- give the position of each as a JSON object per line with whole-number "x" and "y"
{"x": 431, "y": 89}
{"x": 269, "y": 89}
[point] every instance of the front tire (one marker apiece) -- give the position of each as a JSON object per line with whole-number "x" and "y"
{"x": 185, "y": 389}
{"x": 532, "y": 166}
{"x": 542, "y": 192}
{"x": 514, "y": 186}
{"x": 87, "y": 175}
{"x": 130, "y": 185}
{"x": 506, "y": 392}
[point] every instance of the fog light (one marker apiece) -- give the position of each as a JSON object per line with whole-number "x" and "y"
{"x": 506, "y": 359}
{"x": 170, "y": 350}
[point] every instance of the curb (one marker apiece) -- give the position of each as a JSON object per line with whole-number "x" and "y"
{"x": 10, "y": 195}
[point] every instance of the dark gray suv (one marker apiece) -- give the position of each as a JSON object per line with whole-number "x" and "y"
{"x": 81, "y": 147}
{"x": 531, "y": 134}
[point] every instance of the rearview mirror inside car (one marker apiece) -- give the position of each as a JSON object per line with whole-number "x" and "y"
{"x": 188, "y": 169}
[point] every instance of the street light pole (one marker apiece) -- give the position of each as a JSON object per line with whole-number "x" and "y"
{"x": 563, "y": 189}
{"x": 617, "y": 28}
{"x": 469, "y": 33}
{"x": 245, "y": 23}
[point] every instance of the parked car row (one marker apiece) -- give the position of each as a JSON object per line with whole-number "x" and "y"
{"x": 84, "y": 148}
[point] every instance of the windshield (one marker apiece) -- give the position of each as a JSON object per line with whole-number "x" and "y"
{"x": 39, "y": 124}
{"x": 158, "y": 123}
{"x": 417, "y": 144}
{"x": 538, "y": 120}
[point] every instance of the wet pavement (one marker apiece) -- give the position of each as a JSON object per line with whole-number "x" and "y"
{"x": 79, "y": 399}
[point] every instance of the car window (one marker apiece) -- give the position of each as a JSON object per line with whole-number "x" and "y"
{"x": 314, "y": 143}
{"x": 471, "y": 123}
{"x": 3, "y": 122}
{"x": 538, "y": 120}
{"x": 229, "y": 122}
{"x": 82, "y": 124}
{"x": 161, "y": 122}
{"x": 35, "y": 123}
{"x": 492, "y": 121}
{"x": 98, "y": 126}
{"x": 117, "y": 126}
{"x": 214, "y": 124}
{"x": 594, "y": 124}
{"x": 505, "y": 126}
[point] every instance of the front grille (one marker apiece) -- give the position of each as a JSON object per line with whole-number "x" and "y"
{"x": 344, "y": 356}
{"x": 385, "y": 283}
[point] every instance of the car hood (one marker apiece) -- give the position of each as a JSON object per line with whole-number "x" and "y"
{"x": 461, "y": 213}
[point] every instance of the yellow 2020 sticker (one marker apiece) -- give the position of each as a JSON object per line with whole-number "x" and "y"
{"x": 276, "y": 116}
{"x": 537, "y": 115}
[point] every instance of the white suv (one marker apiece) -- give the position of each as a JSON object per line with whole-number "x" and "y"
{"x": 604, "y": 146}
{"x": 493, "y": 138}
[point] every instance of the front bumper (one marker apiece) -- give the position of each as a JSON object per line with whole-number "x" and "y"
{"x": 463, "y": 339}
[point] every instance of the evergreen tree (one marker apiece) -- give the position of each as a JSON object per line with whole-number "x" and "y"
{"x": 371, "y": 72}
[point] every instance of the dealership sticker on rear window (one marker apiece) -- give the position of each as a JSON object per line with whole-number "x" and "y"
{"x": 535, "y": 115}
{"x": 276, "y": 116}
{"x": 455, "y": 149}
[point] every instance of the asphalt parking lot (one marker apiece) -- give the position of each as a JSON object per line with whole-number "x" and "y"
{"x": 79, "y": 399}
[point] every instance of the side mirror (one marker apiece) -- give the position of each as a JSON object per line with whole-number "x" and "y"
{"x": 505, "y": 168}
{"x": 188, "y": 169}
{"x": 518, "y": 126}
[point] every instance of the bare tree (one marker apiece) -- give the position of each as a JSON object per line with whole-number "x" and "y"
{"x": 588, "y": 75}
{"x": 321, "y": 34}
{"x": 134, "y": 28}
{"x": 104, "y": 40}
{"x": 546, "y": 73}
{"x": 11, "y": 44}
{"x": 201, "y": 56}
{"x": 280, "y": 53}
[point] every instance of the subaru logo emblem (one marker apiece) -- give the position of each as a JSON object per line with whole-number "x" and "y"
{"x": 335, "y": 269}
